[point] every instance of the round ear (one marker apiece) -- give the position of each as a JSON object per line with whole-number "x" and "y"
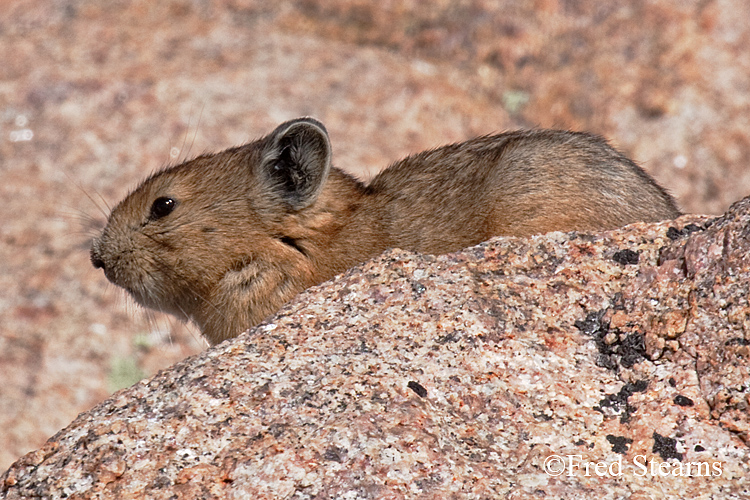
{"x": 296, "y": 161}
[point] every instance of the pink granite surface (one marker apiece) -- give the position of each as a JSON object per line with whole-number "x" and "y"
{"x": 95, "y": 95}
{"x": 552, "y": 367}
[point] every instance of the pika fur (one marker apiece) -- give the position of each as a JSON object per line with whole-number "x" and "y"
{"x": 226, "y": 239}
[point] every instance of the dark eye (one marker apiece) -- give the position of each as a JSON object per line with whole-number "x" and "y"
{"x": 162, "y": 207}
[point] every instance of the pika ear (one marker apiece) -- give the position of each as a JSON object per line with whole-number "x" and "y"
{"x": 296, "y": 161}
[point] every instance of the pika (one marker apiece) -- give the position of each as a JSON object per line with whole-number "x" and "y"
{"x": 226, "y": 239}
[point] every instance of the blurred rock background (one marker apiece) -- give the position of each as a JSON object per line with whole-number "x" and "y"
{"x": 96, "y": 95}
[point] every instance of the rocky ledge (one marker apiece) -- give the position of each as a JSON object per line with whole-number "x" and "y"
{"x": 562, "y": 366}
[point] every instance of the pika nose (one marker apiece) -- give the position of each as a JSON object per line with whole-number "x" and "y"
{"x": 96, "y": 259}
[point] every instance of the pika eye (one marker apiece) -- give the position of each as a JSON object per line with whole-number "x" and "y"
{"x": 162, "y": 207}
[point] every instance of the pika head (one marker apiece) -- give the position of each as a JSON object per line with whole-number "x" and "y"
{"x": 220, "y": 240}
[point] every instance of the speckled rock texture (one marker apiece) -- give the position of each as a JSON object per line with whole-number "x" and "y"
{"x": 95, "y": 95}
{"x": 561, "y": 366}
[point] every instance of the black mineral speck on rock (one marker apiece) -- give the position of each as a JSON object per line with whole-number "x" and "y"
{"x": 619, "y": 443}
{"x": 681, "y": 400}
{"x": 418, "y": 389}
{"x": 632, "y": 349}
{"x": 691, "y": 228}
{"x": 335, "y": 454}
{"x": 619, "y": 402}
{"x": 627, "y": 350}
{"x": 592, "y": 324}
{"x": 673, "y": 233}
{"x": 666, "y": 447}
{"x": 626, "y": 257}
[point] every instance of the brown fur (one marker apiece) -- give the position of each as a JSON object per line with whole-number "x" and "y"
{"x": 249, "y": 228}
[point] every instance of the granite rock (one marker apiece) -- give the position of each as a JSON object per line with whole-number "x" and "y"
{"x": 566, "y": 365}
{"x": 96, "y": 95}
